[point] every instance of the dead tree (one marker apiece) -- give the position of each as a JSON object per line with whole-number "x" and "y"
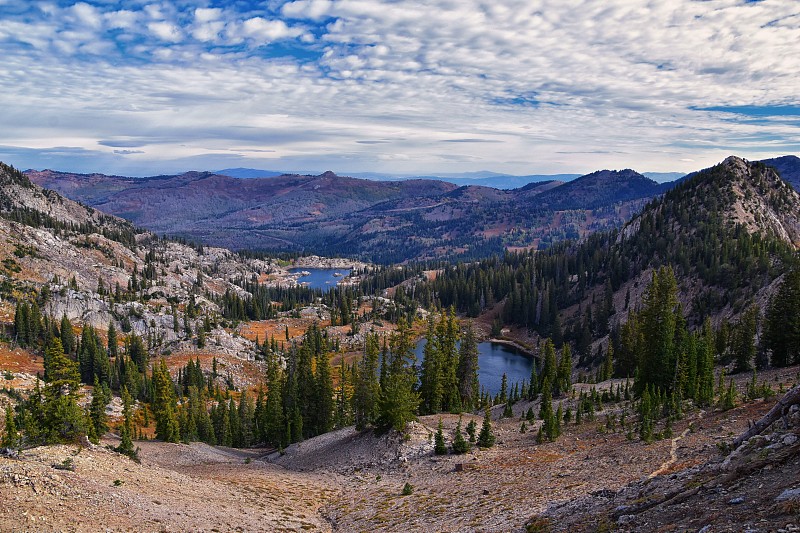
{"x": 781, "y": 409}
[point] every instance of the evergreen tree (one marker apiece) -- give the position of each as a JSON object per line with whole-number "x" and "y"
{"x": 439, "y": 447}
{"x": 782, "y": 325}
{"x": 11, "y": 436}
{"x": 549, "y": 367}
{"x": 64, "y": 420}
{"x": 97, "y": 409}
{"x": 164, "y": 404}
{"x": 744, "y": 346}
{"x": 460, "y": 445}
{"x": 431, "y": 375}
{"x": 564, "y": 374}
{"x": 323, "y": 393}
{"x": 486, "y": 437}
{"x": 472, "y": 428}
{"x": 608, "y": 362}
{"x": 67, "y": 335}
{"x": 705, "y": 366}
{"x": 657, "y": 360}
{"x": 646, "y": 416}
{"x": 468, "y": 370}
{"x": 447, "y": 333}
{"x": 508, "y": 412}
{"x": 367, "y": 387}
{"x": 398, "y": 401}
{"x": 113, "y": 349}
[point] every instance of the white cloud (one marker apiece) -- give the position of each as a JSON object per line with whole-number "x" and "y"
{"x": 203, "y": 15}
{"x": 123, "y": 19}
{"x": 567, "y": 86}
{"x": 264, "y": 31}
{"x": 87, "y": 15}
{"x": 308, "y": 9}
{"x": 166, "y": 31}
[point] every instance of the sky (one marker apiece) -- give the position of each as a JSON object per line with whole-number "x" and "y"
{"x": 142, "y": 87}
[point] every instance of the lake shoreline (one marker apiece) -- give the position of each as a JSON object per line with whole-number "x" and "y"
{"x": 519, "y": 347}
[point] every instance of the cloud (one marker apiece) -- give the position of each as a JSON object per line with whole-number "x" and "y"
{"x": 122, "y": 144}
{"x": 264, "y": 31}
{"x": 87, "y": 15}
{"x": 166, "y": 31}
{"x": 403, "y": 87}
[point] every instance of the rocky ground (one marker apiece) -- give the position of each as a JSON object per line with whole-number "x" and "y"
{"x": 175, "y": 488}
{"x": 590, "y": 479}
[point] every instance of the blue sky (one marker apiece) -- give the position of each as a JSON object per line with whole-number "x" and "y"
{"x": 145, "y": 87}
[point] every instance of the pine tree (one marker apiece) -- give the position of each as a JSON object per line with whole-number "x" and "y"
{"x": 439, "y": 447}
{"x": 97, "y": 409}
{"x": 64, "y": 420}
{"x": 533, "y": 388}
{"x": 460, "y": 445}
{"x": 67, "y": 335}
{"x": 744, "y": 346}
{"x": 564, "y": 374}
{"x": 508, "y": 412}
{"x": 11, "y": 435}
{"x": 549, "y": 367}
{"x": 398, "y": 401}
{"x": 646, "y": 416}
{"x": 705, "y": 366}
{"x": 448, "y": 336}
{"x": 468, "y": 370}
{"x": 113, "y": 349}
{"x": 782, "y": 324}
{"x": 431, "y": 374}
{"x": 167, "y": 428}
{"x": 472, "y": 428}
{"x": 486, "y": 437}
{"x": 323, "y": 393}
{"x": 657, "y": 360}
{"x": 126, "y": 443}
{"x": 608, "y": 362}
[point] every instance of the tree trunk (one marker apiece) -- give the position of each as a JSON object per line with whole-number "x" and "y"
{"x": 780, "y": 409}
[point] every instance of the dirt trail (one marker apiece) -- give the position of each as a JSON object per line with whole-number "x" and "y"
{"x": 673, "y": 456}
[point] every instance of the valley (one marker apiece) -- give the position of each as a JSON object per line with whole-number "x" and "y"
{"x": 190, "y": 387}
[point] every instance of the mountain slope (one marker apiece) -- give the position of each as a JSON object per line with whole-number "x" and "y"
{"x": 97, "y": 269}
{"x": 789, "y": 168}
{"x": 601, "y": 188}
{"x": 729, "y": 233}
{"x": 389, "y": 221}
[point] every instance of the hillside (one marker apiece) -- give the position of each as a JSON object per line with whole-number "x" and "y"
{"x": 599, "y": 472}
{"x": 789, "y": 168}
{"x": 601, "y": 188}
{"x": 729, "y": 233}
{"x": 97, "y": 269}
{"x": 385, "y": 221}
{"x": 592, "y": 477}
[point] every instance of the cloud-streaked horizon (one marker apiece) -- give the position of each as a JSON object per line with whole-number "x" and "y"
{"x": 142, "y": 87}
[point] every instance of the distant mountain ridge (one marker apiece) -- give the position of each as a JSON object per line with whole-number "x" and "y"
{"x": 484, "y": 177}
{"x": 387, "y": 221}
{"x": 789, "y": 168}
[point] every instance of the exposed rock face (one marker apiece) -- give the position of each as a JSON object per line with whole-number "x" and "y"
{"x": 77, "y": 258}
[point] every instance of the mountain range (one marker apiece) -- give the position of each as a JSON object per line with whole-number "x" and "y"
{"x": 381, "y": 221}
{"x": 729, "y": 232}
{"x": 484, "y": 178}
{"x": 385, "y": 221}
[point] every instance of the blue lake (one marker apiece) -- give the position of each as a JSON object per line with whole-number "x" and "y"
{"x": 493, "y": 361}
{"x": 321, "y": 278}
